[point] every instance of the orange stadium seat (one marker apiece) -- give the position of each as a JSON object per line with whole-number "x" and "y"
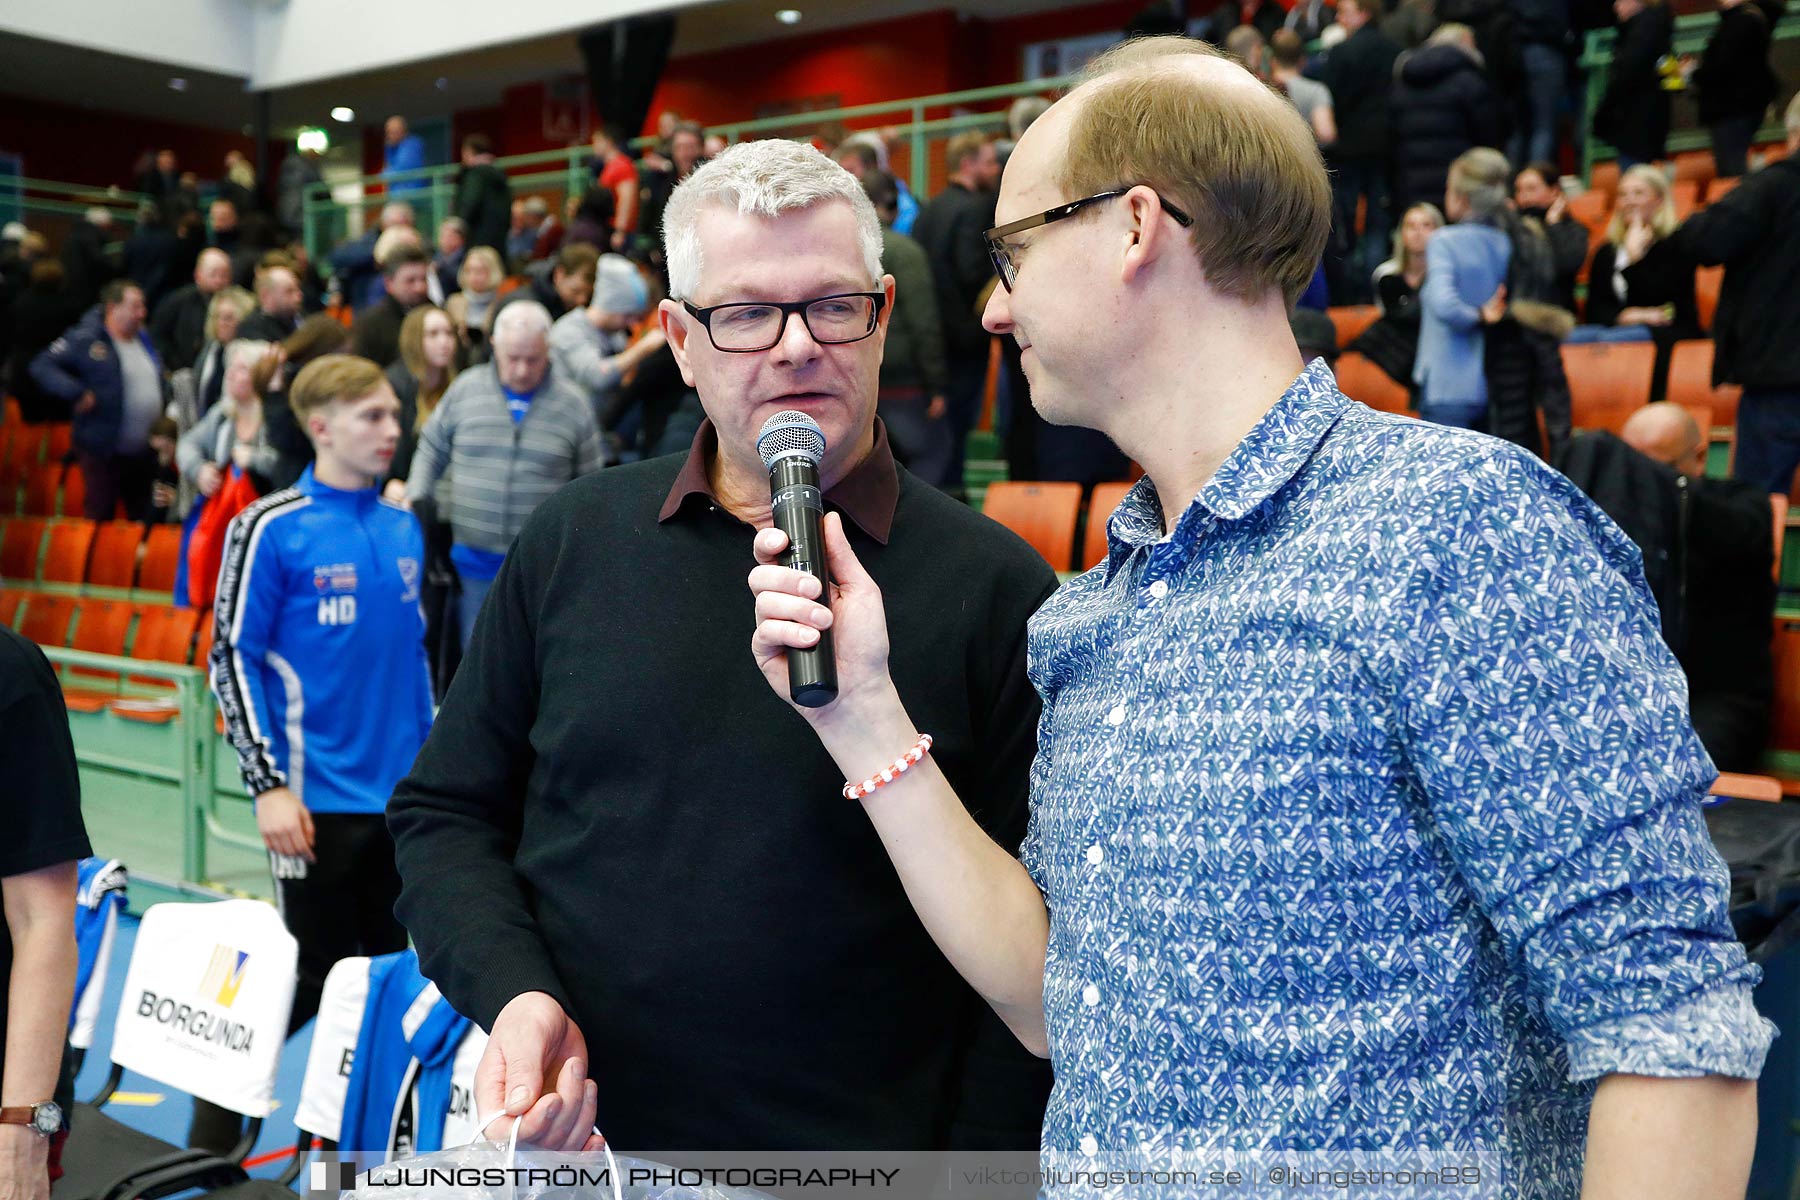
{"x": 162, "y": 552}
{"x": 1778, "y": 508}
{"x": 115, "y": 552}
{"x": 100, "y": 628}
{"x": 1608, "y": 381}
{"x": 1719, "y": 187}
{"x": 1747, "y": 787}
{"x": 1690, "y": 381}
{"x": 41, "y": 482}
{"x": 66, "y": 553}
{"x": 14, "y": 414}
{"x": 1707, "y": 282}
{"x": 1360, "y": 379}
{"x": 10, "y": 601}
{"x": 59, "y": 440}
{"x": 47, "y": 619}
{"x": 164, "y": 634}
{"x": 1041, "y": 513}
{"x": 1604, "y": 177}
{"x": 19, "y": 549}
{"x": 1686, "y": 193}
{"x": 1351, "y": 319}
{"x": 1695, "y": 166}
{"x": 1105, "y": 498}
{"x": 74, "y": 491}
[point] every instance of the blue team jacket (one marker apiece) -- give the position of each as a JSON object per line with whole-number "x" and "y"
{"x": 318, "y": 655}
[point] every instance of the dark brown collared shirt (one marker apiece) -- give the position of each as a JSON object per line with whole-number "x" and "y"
{"x": 867, "y": 495}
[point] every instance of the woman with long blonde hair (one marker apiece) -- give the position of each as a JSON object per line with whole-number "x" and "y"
{"x": 1640, "y": 286}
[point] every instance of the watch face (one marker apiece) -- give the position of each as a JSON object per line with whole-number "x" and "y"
{"x": 46, "y": 1119}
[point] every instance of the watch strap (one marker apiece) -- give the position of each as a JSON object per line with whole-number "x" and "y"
{"x": 21, "y": 1115}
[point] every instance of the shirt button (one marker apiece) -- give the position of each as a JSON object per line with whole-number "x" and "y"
{"x": 1160, "y": 588}
{"x": 1090, "y": 1145}
{"x": 1090, "y": 995}
{"x": 1095, "y": 856}
{"x": 1116, "y": 716}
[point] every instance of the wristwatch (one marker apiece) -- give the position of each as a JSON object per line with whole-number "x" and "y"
{"x": 45, "y": 1118}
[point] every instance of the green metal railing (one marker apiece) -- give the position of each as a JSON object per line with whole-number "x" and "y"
{"x": 327, "y": 218}
{"x": 191, "y": 771}
{"x": 1691, "y": 34}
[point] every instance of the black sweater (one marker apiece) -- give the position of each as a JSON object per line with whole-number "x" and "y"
{"x": 616, "y": 809}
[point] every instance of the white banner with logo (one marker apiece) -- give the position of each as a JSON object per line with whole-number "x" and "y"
{"x": 206, "y": 1001}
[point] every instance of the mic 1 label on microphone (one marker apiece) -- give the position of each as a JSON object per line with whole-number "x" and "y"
{"x": 802, "y": 494}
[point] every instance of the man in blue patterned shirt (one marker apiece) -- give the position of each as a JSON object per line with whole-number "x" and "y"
{"x": 1366, "y": 807}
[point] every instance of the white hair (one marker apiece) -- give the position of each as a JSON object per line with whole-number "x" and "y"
{"x": 764, "y": 179}
{"x": 522, "y": 318}
{"x": 396, "y": 212}
{"x": 1791, "y": 119}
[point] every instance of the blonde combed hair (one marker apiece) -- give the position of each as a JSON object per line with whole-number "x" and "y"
{"x": 333, "y": 379}
{"x": 1250, "y": 175}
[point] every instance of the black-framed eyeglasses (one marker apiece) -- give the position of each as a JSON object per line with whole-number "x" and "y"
{"x": 1001, "y": 253}
{"x": 831, "y": 320}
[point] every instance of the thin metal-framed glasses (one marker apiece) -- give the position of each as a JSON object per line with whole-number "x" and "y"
{"x": 745, "y": 328}
{"x": 1001, "y": 253}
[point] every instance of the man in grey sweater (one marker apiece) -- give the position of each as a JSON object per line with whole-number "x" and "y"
{"x": 510, "y": 432}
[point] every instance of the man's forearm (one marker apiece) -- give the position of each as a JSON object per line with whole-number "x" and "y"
{"x": 976, "y": 900}
{"x": 39, "y": 994}
{"x": 1690, "y": 1139}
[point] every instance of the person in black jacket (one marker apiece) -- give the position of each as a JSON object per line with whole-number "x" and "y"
{"x": 1538, "y": 194}
{"x": 1496, "y": 33}
{"x": 1360, "y": 73}
{"x": 483, "y": 196}
{"x": 1633, "y": 115}
{"x": 1707, "y": 550}
{"x": 39, "y": 315}
{"x": 1734, "y": 83}
{"x": 1443, "y": 106}
{"x": 950, "y": 228}
{"x": 1754, "y": 230}
{"x": 376, "y": 334}
{"x": 179, "y": 324}
{"x": 90, "y": 260}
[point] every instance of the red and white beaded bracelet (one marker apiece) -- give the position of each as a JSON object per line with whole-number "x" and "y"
{"x": 887, "y": 775}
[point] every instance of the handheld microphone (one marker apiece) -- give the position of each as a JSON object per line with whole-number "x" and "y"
{"x": 792, "y": 445}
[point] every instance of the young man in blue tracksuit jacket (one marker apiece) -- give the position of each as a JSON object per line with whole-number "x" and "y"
{"x": 319, "y": 665}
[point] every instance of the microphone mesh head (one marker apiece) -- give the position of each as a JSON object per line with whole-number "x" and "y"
{"x": 790, "y": 432}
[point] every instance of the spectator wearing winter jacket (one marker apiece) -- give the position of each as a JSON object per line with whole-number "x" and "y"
{"x": 1443, "y": 106}
{"x": 1359, "y": 71}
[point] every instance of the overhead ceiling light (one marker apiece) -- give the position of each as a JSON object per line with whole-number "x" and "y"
{"x": 340, "y": 113}
{"x": 788, "y": 16}
{"x": 177, "y": 84}
{"x": 314, "y": 140}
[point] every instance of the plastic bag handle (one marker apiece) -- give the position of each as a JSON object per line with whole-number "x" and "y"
{"x": 512, "y": 1150}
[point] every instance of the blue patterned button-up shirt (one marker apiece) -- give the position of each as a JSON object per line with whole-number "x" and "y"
{"x": 1367, "y": 811}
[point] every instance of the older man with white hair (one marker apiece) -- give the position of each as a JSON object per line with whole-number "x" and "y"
{"x": 619, "y": 849}
{"x": 510, "y": 432}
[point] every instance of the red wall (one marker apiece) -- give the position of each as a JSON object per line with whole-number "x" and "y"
{"x": 80, "y": 145}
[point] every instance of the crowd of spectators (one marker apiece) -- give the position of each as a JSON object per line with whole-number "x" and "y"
{"x": 1463, "y": 250}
